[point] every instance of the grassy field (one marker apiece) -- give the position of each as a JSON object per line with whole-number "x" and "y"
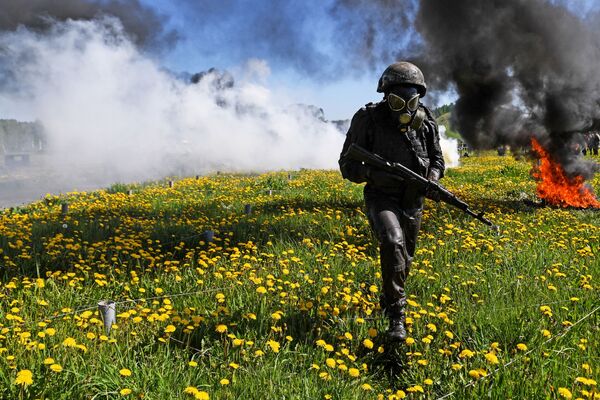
{"x": 283, "y": 303}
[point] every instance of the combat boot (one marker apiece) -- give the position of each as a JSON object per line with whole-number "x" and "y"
{"x": 397, "y": 331}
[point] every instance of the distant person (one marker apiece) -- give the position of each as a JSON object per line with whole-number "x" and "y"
{"x": 585, "y": 142}
{"x": 401, "y": 130}
{"x": 594, "y": 142}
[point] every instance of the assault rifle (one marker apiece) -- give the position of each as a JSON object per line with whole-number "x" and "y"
{"x": 432, "y": 190}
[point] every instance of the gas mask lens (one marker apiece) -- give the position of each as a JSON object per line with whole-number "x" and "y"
{"x": 397, "y": 103}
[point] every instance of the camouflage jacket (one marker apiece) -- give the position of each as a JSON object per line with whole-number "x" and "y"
{"x": 373, "y": 129}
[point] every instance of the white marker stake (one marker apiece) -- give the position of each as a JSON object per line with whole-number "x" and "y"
{"x": 108, "y": 311}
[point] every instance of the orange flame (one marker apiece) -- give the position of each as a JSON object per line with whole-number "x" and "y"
{"x": 555, "y": 187}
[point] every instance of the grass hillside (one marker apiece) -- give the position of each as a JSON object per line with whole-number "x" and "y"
{"x": 444, "y": 119}
{"x": 283, "y": 303}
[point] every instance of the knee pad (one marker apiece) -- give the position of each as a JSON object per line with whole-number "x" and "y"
{"x": 392, "y": 237}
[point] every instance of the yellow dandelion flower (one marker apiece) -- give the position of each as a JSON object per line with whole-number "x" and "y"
{"x": 190, "y": 390}
{"x": 170, "y": 329}
{"x": 366, "y": 386}
{"x": 564, "y": 392}
{"x": 24, "y": 377}
{"x": 585, "y": 381}
{"x": 274, "y": 346}
{"x": 353, "y": 372}
{"x": 193, "y": 364}
{"x": 69, "y": 342}
{"x": 325, "y": 376}
{"x": 124, "y": 391}
{"x": 492, "y": 358}
{"x": 221, "y": 328}
{"x": 368, "y": 344}
{"x": 466, "y": 353}
{"x": 224, "y": 382}
{"x": 546, "y": 333}
{"x": 522, "y": 346}
{"x": 56, "y": 368}
{"x": 125, "y": 372}
{"x": 49, "y": 361}
{"x": 477, "y": 373}
{"x": 416, "y": 388}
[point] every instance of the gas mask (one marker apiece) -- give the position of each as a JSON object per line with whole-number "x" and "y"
{"x": 403, "y": 102}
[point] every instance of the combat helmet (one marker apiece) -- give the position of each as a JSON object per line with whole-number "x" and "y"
{"x": 402, "y": 72}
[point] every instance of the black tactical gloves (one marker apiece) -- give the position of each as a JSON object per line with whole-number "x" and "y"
{"x": 433, "y": 175}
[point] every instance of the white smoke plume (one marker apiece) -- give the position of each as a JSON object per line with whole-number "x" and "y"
{"x": 111, "y": 112}
{"x": 449, "y": 149}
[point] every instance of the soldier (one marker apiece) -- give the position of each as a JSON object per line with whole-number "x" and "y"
{"x": 402, "y": 130}
{"x": 594, "y": 142}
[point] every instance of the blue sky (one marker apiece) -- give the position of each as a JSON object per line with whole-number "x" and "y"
{"x": 227, "y": 33}
{"x": 223, "y": 39}
{"x": 305, "y": 44}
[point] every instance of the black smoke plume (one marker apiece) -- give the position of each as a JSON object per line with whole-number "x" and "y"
{"x": 143, "y": 24}
{"x": 521, "y": 68}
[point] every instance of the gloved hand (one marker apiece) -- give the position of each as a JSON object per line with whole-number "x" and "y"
{"x": 379, "y": 177}
{"x": 433, "y": 175}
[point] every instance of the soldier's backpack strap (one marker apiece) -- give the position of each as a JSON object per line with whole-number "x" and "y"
{"x": 370, "y": 107}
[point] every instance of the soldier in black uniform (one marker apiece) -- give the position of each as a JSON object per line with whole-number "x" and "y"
{"x": 401, "y": 130}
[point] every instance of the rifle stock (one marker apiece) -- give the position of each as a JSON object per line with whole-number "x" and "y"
{"x": 358, "y": 153}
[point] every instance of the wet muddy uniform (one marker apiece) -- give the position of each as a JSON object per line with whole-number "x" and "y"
{"x": 394, "y": 209}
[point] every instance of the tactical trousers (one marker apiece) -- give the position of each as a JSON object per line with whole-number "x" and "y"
{"x": 396, "y": 228}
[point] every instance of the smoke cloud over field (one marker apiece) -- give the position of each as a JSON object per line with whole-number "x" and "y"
{"x": 142, "y": 24}
{"x": 84, "y": 68}
{"x": 108, "y": 108}
{"x": 519, "y": 67}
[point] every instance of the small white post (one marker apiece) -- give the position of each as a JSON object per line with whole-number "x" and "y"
{"x": 209, "y": 236}
{"x": 108, "y": 311}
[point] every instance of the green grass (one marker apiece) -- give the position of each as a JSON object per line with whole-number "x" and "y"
{"x": 444, "y": 120}
{"x": 300, "y": 271}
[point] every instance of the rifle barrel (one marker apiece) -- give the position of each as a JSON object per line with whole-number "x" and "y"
{"x": 358, "y": 153}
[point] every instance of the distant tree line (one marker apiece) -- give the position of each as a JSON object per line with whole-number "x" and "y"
{"x": 21, "y": 137}
{"x": 446, "y": 108}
